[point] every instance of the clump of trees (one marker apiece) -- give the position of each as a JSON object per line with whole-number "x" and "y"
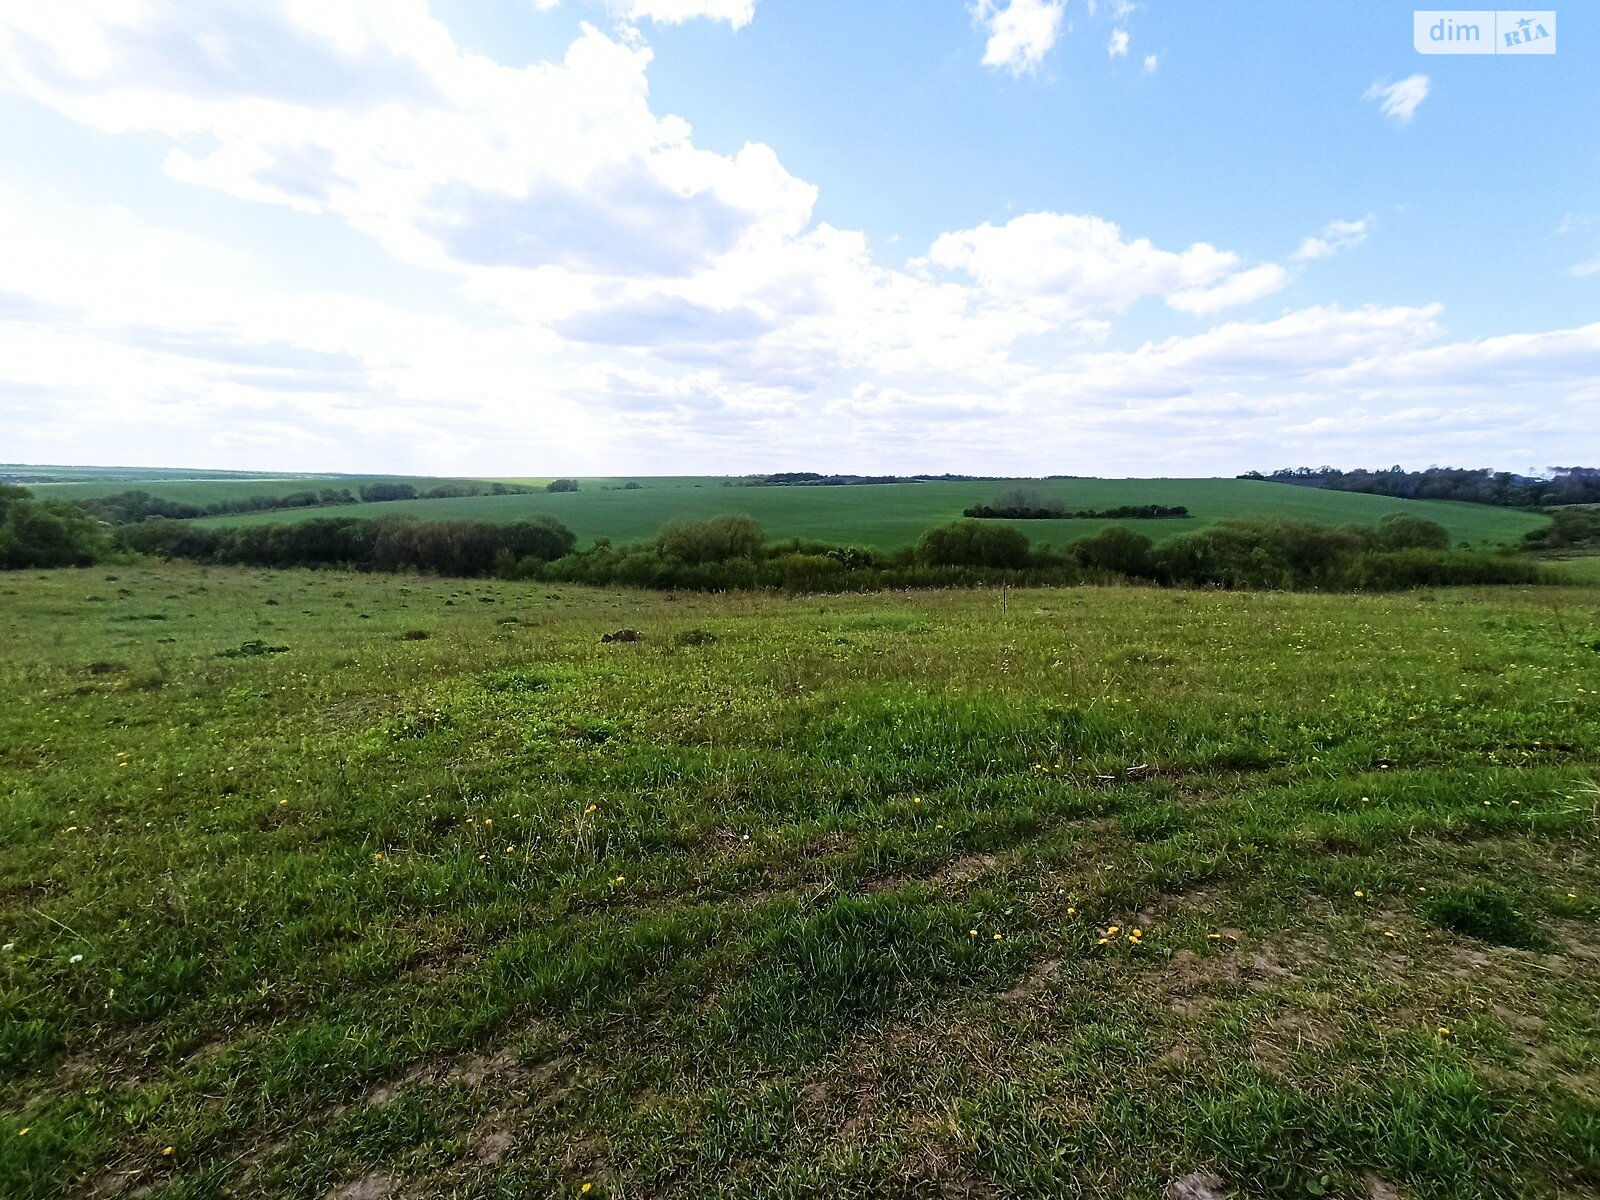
{"x": 1023, "y": 504}
{"x": 561, "y": 485}
{"x": 466, "y": 548}
{"x": 1569, "y": 529}
{"x": 1403, "y": 551}
{"x": 46, "y": 533}
{"x": 130, "y": 507}
{"x": 1566, "y": 485}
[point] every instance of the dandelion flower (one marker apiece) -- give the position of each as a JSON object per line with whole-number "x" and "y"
{"x": 1113, "y": 931}
{"x": 972, "y": 933}
{"x": 938, "y": 826}
{"x": 488, "y": 820}
{"x": 23, "y": 1132}
{"x": 167, "y": 1152}
{"x": 72, "y": 829}
{"x": 622, "y": 879}
{"x": 586, "y": 1188}
{"x": 1360, "y": 895}
{"x": 1444, "y": 1031}
{"x": 1102, "y": 941}
{"x": 1071, "y": 912}
{"x": 998, "y": 938}
{"x": 916, "y": 799}
{"x": 590, "y": 809}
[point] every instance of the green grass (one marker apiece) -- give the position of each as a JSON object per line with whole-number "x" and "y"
{"x": 200, "y": 489}
{"x": 888, "y": 516}
{"x": 501, "y": 910}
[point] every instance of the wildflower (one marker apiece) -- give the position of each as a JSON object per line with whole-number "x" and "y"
{"x": 72, "y": 829}
{"x": 487, "y": 821}
{"x": 916, "y": 799}
{"x": 998, "y": 938}
{"x": 378, "y": 857}
{"x": 282, "y": 802}
{"x": 1137, "y": 933}
{"x": 1071, "y": 912}
{"x": 1113, "y": 931}
{"x": 1366, "y": 799}
{"x": 621, "y": 879}
{"x": 1360, "y": 895}
{"x": 1389, "y": 933}
{"x": 586, "y": 1188}
{"x": 167, "y": 1152}
{"x": 23, "y": 1132}
{"x": 483, "y": 858}
{"x": 1102, "y": 941}
{"x": 76, "y": 958}
{"x": 590, "y": 809}
{"x": 1444, "y": 1031}
{"x": 972, "y": 933}
{"x": 938, "y": 826}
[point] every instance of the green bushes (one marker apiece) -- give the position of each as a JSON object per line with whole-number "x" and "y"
{"x": 43, "y": 533}
{"x": 973, "y": 544}
{"x": 719, "y": 540}
{"x": 395, "y": 544}
{"x": 1569, "y": 528}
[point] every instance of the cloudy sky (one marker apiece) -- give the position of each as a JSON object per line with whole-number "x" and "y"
{"x": 526, "y": 237}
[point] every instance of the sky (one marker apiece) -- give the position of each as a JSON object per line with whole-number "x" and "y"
{"x": 538, "y": 237}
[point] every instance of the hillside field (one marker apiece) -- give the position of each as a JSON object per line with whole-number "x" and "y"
{"x": 888, "y": 516}
{"x": 320, "y": 885}
{"x": 201, "y": 490}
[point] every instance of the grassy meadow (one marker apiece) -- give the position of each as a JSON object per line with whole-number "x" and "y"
{"x": 328, "y": 885}
{"x": 888, "y": 516}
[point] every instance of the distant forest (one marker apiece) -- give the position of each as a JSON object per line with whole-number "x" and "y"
{"x": 1566, "y": 485}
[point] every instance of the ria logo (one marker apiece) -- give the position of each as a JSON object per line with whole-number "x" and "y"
{"x": 1484, "y": 31}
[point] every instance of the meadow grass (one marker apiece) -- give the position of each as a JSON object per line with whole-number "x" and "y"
{"x": 317, "y": 884}
{"x": 888, "y": 516}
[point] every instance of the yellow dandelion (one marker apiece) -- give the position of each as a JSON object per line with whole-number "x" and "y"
{"x": 23, "y": 1132}
{"x": 378, "y": 857}
{"x": 1071, "y": 912}
{"x": 622, "y": 879}
{"x": 938, "y": 826}
{"x": 1444, "y": 1031}
{"x": 1360, "y": 895}
{"x": 1113, "y": 931}
{"x": 72, "y": 829}
{"x": 1102, "y": 941}
{"x": 972, "y": 933}
{"x": 586, "y": 1188}
{"x": 998, "y": 938}
{"x": 167, "y": 1152}
{"x": 282, "y": 802}
{"x": 488, "y": 821}
{"x": 916, "y": 799}
{"x": 590, "y": 809}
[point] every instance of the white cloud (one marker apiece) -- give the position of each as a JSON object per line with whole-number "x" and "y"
{"x": 1335, "y": 237}
{"x": 1585, "y": 269}
{"x": 1020, "y": 34}
{"x": 583, "y": 288}
{"x": 1400, "y": 100}
{"x": 1118, "y": 46}
{"x": 1151, "y": 62}
{"x": 1069, "y": 267}
{"x": 737, "y": 13}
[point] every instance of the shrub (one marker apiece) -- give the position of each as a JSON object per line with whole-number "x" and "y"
{"x": 561, "y": 485}
{"x": 1115, "y": 549}
{"x": 714, "y": 541}
{"x": 44, "y": 533}
{"x": 1402, "y": 531}
{"x": 973, "y": 544}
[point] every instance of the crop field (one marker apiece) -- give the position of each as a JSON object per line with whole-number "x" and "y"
{"x": 211, "y": 490}
{"x": 323, "y": 885}
{"x": 888, "y": 516}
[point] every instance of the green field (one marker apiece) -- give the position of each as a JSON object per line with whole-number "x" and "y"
{"x": 888, "y": 516}
{"x": 210, "y": 490}
{"x": 325, "y": 885}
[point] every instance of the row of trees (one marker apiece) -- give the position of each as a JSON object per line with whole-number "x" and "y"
{"x": 1024, "y": 505}
{"x": 465, "y": 548}
{"x": 733, "y": 552}
{"x": 1566, "y": 485}
{"x": 131, "y": 507}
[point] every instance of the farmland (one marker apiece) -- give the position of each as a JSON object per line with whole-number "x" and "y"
{"x": 320, "y": 884}
{"x": 888, "y": 516}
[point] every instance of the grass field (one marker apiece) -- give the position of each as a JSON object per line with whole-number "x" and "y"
{"x": 318, "y": 885}
{"x": 200, "y": 490}
{"x": 888, "y": 516}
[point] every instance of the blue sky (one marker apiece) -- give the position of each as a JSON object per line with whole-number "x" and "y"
{"x": 625, "y": 236}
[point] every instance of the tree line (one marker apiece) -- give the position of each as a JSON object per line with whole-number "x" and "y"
{"x": 1566, "y": 485}
{"x": 733, "y": 552}
{"x": 131, "y": 507}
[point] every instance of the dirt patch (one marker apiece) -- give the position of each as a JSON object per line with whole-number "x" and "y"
{"x": 967, "y": 868}
{"x": 369, "y": 1187}
{"x": 1197, "y": 1185}
{"x": 1379, "y": 1189}
{"x": 494, "y": 1146}
{"x": 1035, "y": 981}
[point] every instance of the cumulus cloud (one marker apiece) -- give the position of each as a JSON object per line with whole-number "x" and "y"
{"x": 1399, "y": 101}
{"x": 566, "y": 279}
{"x": 1336, "y": 236}
{"x": 1151, "y": 63}
{"x": 1118, "y": 46}
{"x": 737, "y": 13}
{"x": 1020, "y": 33}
